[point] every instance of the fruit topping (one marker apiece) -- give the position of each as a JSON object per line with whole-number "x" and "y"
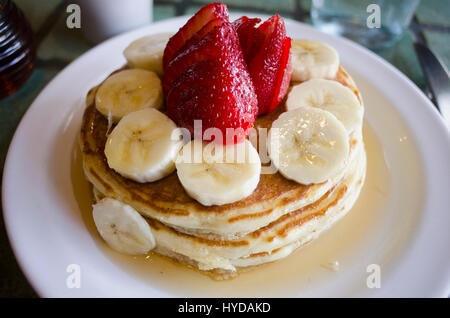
{"x": 197, "y": 22}
{"x": 214, "y": 87}
{"x": 266, "y": 51}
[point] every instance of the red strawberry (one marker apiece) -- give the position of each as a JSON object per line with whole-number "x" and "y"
{"x": 266, "y": 50}
{"x": 284, "y": 76}
{"x": 218, "y": 91}
{"x": 248, "y": 37}
{"x": 195, "y": 50}
{"x": 202, "y": 32}
{"x": 197, "y": 22}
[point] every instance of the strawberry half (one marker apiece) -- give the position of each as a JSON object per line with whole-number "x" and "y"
{"x": 266, "y": 51}
{"x": 216, "y": 90}
{"x": 249, "y": 38}
{"x": 284, "y": 76}
{"x": 195, "y": 50}
{"x": 197, "y": 22}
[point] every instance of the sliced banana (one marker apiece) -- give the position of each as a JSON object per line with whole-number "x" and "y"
{"x": 122, "y": 227}
{"x": 128, "y": 91}
{"x": 331, "y": 96}
{"x": 147, "y": 52}
{"x": 313, "y": 59}
{"x": 215, "y": 174}
{"x": 141, "y": 146}
{"x": 308, "y": 145}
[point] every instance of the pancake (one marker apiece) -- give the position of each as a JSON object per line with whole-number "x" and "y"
{"x": 224, "y": 258}
{"x": 166, "y": 201}
{"x": 279, "y": 217}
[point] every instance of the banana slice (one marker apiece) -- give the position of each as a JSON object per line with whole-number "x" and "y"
{"x": 214, "y": 174}
{"x": 308, "y": 145}
{"x": 313, "y": 59}
{"x": 128, "y": 91}
{"x": 122, "y": 227}
{"x": 147, "y": 52}
{"x": 331, "y": 96}
{"x": 141, "y": 146}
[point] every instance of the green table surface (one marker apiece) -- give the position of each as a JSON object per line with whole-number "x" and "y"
{"x": 58, "y": 46}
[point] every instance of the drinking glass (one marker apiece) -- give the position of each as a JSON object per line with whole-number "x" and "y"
{"x": 375, "y": 24}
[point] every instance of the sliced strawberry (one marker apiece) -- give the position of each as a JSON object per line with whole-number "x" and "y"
{"x": 245, "y": 28}
{"x": 265, "y": 65}
{"x": 203, "y": 32}
{"x": 284, "y": 76}
{"x": 266, "y": 50}
{"x": 269, "y": 25}
{"x": 201, "y": 18}
{"x": 195, "y": 50}
{"x": 255, "y": 41}
{"x": 217, "y": 91}
{"x": 187, "y": 89}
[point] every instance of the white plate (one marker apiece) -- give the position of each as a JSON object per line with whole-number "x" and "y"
{"x": 408, "y": 238}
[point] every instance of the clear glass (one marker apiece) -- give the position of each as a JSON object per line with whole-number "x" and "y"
{"x": 375, "y": 24}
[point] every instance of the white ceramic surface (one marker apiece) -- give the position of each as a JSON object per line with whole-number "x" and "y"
{"x": 47, "y": 232}
{"x": 102, "y": 19}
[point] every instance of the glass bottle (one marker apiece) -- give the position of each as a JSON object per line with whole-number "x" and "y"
{"x": 17, "y": 48}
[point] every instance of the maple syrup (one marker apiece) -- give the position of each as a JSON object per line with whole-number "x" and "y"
{"x": 17, "y": 48}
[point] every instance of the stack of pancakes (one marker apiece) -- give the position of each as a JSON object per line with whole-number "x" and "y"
{"x": 277, "y": 218}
